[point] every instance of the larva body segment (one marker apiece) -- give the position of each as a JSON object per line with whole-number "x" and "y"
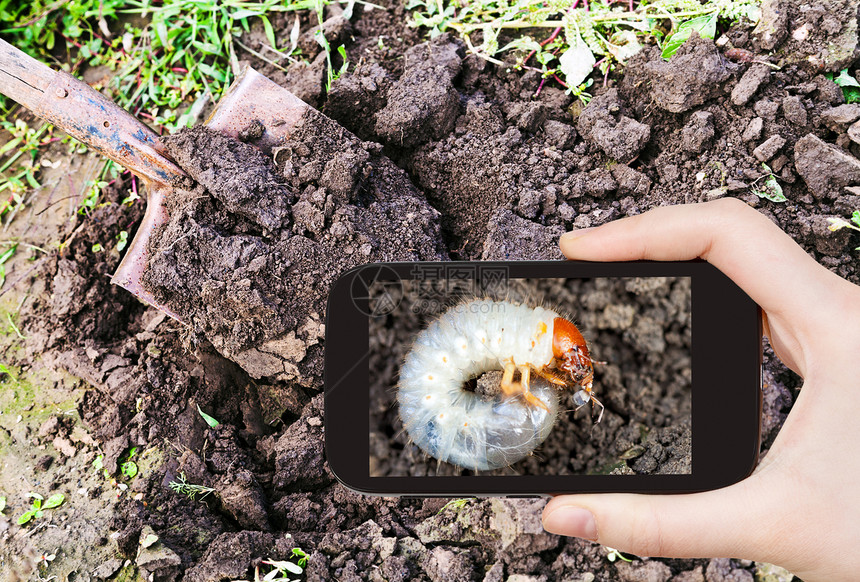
{"x": 457, "y": 426}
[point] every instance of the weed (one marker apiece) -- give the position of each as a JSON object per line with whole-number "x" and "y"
{"x": 614, "y": 554}
{"x": 282, "y": 569}
{"x": 93, "y": 193}
{"x": 121, "y": 240}
{"x": 7, "y": 254}
{"x": 190, "y": 490}
{"x": 18, "y": 165}
{"x": 37, "y": 508}
{"x": 770, "y": 189}
{"x": 45, "y": 559}
{"x": 2, "y": 504}
{"x": 14, "y": 327}
{"x": 705, "y": 26}
{"x": 840, "y": 223}
{"x": 128, "y": 467}
{"x": 454, "y": 504}
{"x": 850, "y": 86}
{"x": 209, "y": 420}
{"x": 301, "y": 555}
{"x": 606, "y": 29}
{"x": 4, "y": 369}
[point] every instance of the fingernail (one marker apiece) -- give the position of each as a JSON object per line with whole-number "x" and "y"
{"x": 571, "y": 521}
{"x": 575, "y": 234}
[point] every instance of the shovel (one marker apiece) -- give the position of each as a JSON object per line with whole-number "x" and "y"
{"x": 88, "y": 116}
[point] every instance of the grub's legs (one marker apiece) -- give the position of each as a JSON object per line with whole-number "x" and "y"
{"x": 549, "y": 376}
{"x": 510, "y": 388}
{"x": 531, "y": 399}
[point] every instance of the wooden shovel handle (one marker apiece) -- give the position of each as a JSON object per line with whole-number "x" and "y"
{"x": 86, "y": 115}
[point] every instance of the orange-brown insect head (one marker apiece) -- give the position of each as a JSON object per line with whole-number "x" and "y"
{"x": 571, "y": 352}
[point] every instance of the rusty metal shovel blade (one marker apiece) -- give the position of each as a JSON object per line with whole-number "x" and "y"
{"x": 251, "y": 97}
{"x": 88, "y": 116}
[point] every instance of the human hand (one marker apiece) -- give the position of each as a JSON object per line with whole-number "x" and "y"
{"x": 800, "y": 509}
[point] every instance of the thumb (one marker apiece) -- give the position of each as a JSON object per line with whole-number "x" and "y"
{"x": 721, "y": 523}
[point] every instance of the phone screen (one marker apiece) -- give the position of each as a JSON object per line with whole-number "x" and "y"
{"x": 440, "y": 404}
{"x": 524, "y": 378}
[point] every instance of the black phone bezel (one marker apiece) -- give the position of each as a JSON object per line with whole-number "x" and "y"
{"x": 726, "y": 409}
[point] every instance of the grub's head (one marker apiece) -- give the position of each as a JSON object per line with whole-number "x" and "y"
{"x": 571, "y": 352}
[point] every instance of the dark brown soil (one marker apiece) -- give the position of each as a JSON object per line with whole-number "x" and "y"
{"x": 248, "y": 257}
{"x": 454, "y": 159}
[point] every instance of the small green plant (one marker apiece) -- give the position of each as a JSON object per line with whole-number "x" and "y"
{"x": 18, "y": 167}
{"x": 769, "y": 188}
{"x": 92, "y": 195}
{"x": 2, "y": 504}
{"x": 850, "y": 86}
{"x": 283, "y": 569}
{"x": 581, "y": 31}
{"x": 614, "y": 554}
{"x": 128, "y": 467}
{"x": 121, "y": 240}
{"x": 39, "y": 505}
{"x": 705, "y": 26}
{"x": 46, "y": 558}
{"x": 331, "y": 75}
{"x": 190, "y": 490}
{"x": 301, "y": 555}
{"x": 14, "y": 327}
{"x": 840, "y": 223}
{"x": 4, "y": 369}
{"x": 209, "y": 420}
{"x": 7, "y": 254}
{"x": 454, "y": 504}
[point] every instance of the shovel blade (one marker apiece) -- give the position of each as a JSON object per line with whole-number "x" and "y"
{"x": 252, "y": 97}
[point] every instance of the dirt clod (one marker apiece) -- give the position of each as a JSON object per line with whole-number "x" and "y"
{"x": 604, "y": 123}
{"x": 825, "y": 168}
{"x": 423, "y": 104}
{"x": 749, "y": 84}
{"x": 767, "y": 150}
{"x": 230, "y": 556}
{"x": 698, "y": 132}
{"x": 692, "y": 76}
{"x": 511, "y": 238}
{"x": 232, "y": 265}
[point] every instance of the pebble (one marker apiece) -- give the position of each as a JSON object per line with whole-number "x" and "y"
{"x": 769, "y": 148}
{"x": 750, "y": 83}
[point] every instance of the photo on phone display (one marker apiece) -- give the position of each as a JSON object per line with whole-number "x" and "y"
{"x": 441, "y": 405}
{"x": 535, "y": 378}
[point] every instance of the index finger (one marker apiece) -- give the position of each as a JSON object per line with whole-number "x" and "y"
{"x": 745, "y": 245}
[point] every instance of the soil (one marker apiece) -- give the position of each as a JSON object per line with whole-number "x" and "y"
{"x": 448, "y": 157}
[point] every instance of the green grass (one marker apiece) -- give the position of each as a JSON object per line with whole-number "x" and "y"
{"x": 167, "y": 59}
{"x": 455, "y": 505}
{"x": 190, "y": 490}
{"x": 599, "y": 33}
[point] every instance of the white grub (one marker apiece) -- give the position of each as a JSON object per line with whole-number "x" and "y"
{"x": 457, "y": 426}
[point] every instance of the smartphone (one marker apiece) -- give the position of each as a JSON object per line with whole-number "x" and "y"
{"x": 538, "y": 378}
